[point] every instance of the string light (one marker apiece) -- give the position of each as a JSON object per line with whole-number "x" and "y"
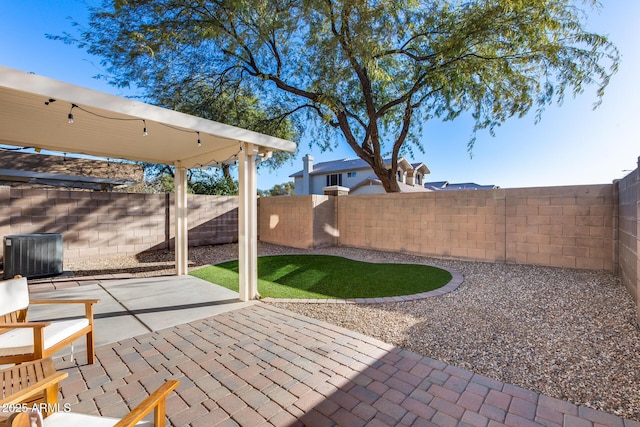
{"x": 70, "y": 115}
{"x": 71, "y": 118}
{"x": 145, "y": 131}
{"x": 217, "y": 163}
{"x": 144, "y": 122}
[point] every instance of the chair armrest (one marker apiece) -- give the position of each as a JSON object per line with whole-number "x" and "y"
{"x": 155, "y": 401}
{"x": 88, "y": 304}
{"x": 34, "y": 389}
{"x": 38, "y": 334}
{"x": 64, "y": 301}
{"x": 34, "y": 325}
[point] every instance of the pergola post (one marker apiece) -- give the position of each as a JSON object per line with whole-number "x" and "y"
{"x": 181, "y": 230}
{"x": 248, "y": 223}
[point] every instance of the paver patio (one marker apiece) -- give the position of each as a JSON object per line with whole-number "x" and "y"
{"x": 263, "y": 366}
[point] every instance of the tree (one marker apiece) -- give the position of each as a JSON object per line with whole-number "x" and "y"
{"x": 284, "y": 189}
{"x": 214, "y": 184}
{"x": 199, "y": 98}
{"x": 160, "y": 179}
{"x": 369, "y": 72}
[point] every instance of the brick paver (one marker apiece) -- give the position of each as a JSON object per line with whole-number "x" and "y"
{"x": 264, "y": 366}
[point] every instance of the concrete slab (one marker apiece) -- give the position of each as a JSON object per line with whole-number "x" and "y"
{"x": 132, "y": 307}
{"x": 162, "y": 302}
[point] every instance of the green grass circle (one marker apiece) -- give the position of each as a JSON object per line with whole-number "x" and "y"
{"x": 325, "y": 276}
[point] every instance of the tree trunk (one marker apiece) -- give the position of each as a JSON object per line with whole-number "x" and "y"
{"x": 388, "y": 178}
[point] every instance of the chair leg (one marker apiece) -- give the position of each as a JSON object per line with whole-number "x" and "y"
{"x": 90, "y": 349}
{"x": 160, "y": 414}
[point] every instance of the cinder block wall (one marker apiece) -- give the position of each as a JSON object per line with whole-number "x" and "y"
{"x": 561, "y": 226}
{"x": 629, "y": 233}
{"x": 212, "y": 220}
{"x": 95, "y": 224}
{"x": 468, "y": 224}
{"x": 557, "y": 226}
{"x": 295, "y": 221}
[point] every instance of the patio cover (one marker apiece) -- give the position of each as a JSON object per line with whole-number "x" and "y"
{"x": 34, "y": 112}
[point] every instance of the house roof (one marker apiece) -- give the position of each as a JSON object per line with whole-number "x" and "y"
{"x": 404, "y": 188}
{"x": 62, "y": 180}
{"x": 34, "y": 112}
{"x": 436, "y": 185}
{"x": 337, "y": 166}
{"x": 70, "y": 165}
{"x": 420, "y": 166}
{"x": 446, "y": 186}
{"x": 342, "y": 165}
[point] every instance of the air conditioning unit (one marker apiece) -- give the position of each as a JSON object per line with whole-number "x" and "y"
{"x": 33, "y": 255}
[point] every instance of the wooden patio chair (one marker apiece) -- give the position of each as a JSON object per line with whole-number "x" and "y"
{"x": 21, "y": 340}
{"x": 47, "y": 386}
{"x": 30, "y": 383}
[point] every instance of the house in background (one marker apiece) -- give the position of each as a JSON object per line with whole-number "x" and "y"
{"x": 34, "y": 170}
{"x": 446, "y": 186}
{"x": 355, "y": 176}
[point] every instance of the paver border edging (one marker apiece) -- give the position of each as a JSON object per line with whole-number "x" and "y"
{"x": 456, "y": 280}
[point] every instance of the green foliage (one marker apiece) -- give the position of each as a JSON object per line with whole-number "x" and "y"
{"x": 323, "y": 276}
{"x": 161, "y": 183}
{"x": 373, "y": 71}
{"x": 160, "y": 179}
{"x": 284, "y": 189}
{"x": 234, "y": 106}
{"x": 213, "y": 184}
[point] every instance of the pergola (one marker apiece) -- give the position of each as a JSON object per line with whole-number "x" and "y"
{"x": 35, "y": 111}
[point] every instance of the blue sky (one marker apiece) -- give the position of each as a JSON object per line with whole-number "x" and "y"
{"x": 572, "y": 144}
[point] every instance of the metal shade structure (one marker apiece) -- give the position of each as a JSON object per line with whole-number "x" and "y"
{"x": 35, "y": 112}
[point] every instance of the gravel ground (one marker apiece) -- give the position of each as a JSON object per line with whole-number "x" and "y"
{"x": 570, "y": 334}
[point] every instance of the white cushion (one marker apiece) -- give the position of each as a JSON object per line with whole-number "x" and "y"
{"x": 72, "y": 419}
{"x": 20, "y": 340}
{"x": 14, "y": 295}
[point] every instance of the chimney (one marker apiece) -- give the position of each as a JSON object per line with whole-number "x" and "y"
{"x": 307, "y": 168}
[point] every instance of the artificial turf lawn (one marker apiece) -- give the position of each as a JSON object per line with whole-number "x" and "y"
{"x": 323, "y": 276}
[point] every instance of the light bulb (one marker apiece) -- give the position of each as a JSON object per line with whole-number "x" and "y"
{"x": 70, "y": 115}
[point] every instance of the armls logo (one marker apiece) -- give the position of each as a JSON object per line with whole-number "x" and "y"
{"x": 37, "y": 407}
